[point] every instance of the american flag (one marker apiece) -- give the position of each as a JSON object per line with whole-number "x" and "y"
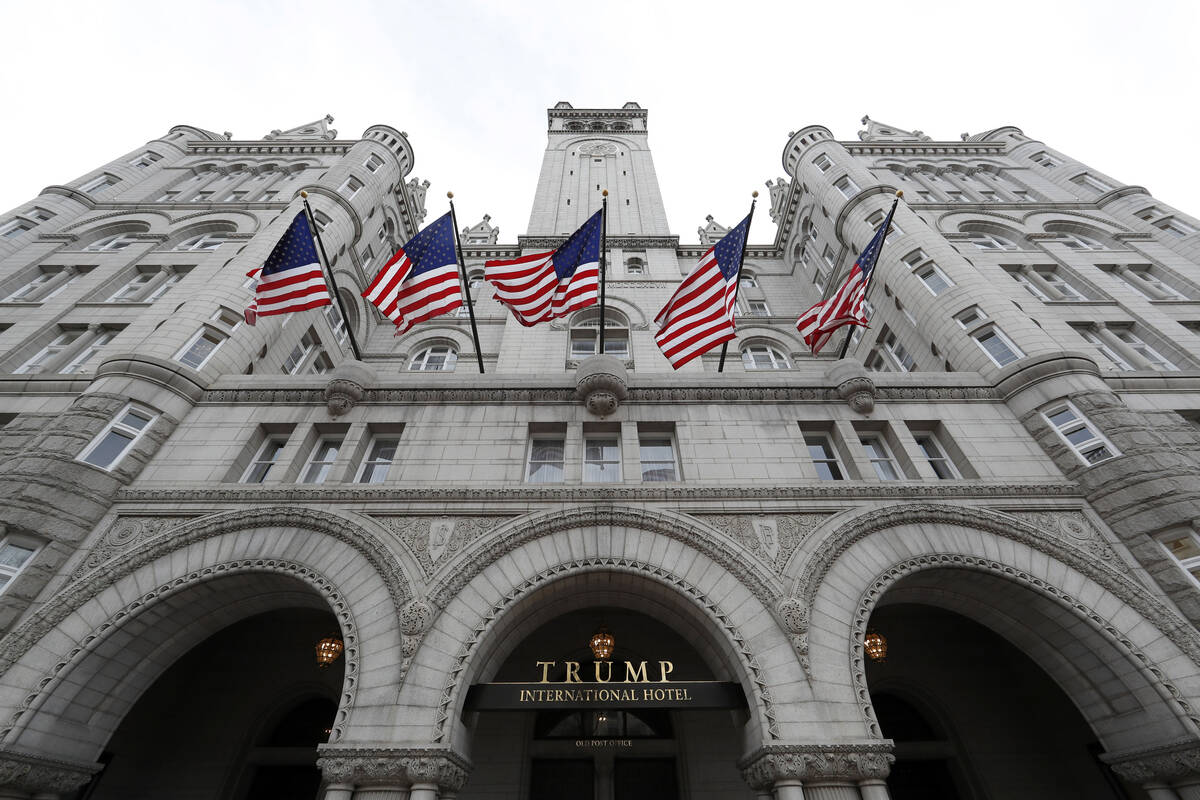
{"x": 545, "y": 286}
{"x": 699, "y": 316}
{"x": 291, "y": 278}
{"x": 847, "y": 305}
{"x": 421, "y": 280}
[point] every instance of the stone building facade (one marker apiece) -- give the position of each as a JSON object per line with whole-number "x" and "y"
{"x": 1002, "y": 479}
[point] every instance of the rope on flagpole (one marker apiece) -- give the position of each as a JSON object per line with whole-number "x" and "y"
{"x": 337, "y": 297}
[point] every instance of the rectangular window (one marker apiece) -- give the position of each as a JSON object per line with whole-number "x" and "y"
{"x": 999, "y": 348}
{"x": 935, "y": 456}
{"x": 1042, "y": 158}
{"x": 934, "y": 279}
{"x": 337, "y": 323}
{"x": 1183, "y": 546}
{"x": 300, "y": 353}
{"x": 15, "y": 228}
{"x": 82, "y": 362}
{"x": 133, "y": 288}
{"x": 1090, "y": 182}
{"x": 822, "y": 162}
{"x": 1018, "y": 274}
{"x": 112, "y": 443}
{"x": 546, "y": 460}
{"x": 901, "y": 358}
{"x": 167, "y": 197}
{"x": 757, "y": 308}
{"x": 1146, "y": 283}
{"x": 601, "y": 459}
{"x": 321, "y": 460}
{"x": 827, "y": 254}
{"x": 657, "y": 452}
{"x": 39, "y": 288}
{"x": 14, "y": 555}
{"x": 99, "y": 183}
{"x": 846, "y": 186}
{"x": 876, "y": 219}
{"x": 881, "y": 458}
{"x": 970, "y": 316}
{"x": 350, "y": 187}
{"x": 824, "y": 457}
{"x": 368, "y": 256}
{"x": 1055, "y": 281}
{"x": 44, "y": 358}
{"x": 200, "y": 347}
{"x": 145, "y": 159}
{"x": 373, "y": 163}
{"x": 381, "y": 452}
{"x": 1175, "y": 226}
{"x": 321, "y": 364}
{"x": 266, "y": 457}
{"x": 1103, "y": 348}
{"x": 236, "y": 197}
{"x": 1074, "y": 429}
{"x": 1157, "y": 360}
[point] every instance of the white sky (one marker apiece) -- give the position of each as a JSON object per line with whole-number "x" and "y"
{"x": 1113, "y": 84}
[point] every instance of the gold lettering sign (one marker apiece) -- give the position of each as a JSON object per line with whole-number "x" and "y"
{"x": 634, "y": 673}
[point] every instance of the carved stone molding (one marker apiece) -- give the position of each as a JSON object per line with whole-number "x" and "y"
{"x": 1160, "y": 764}
{"x": 771, "y": 537}
{"x": 1111, "y": 576}
{"x": 601, "y": 383}
{"x": 363, "y": 766}
{"x": 432, "y": 540}
{"x": 817, "y": 762}
{"x": 853, "y": 384}
{"x": 346, "y": 386}
{"x": 749, "y": 662}
{"x": 123, "y": 535}
{"x": 337, "y": 605}
{"x": 36, "y": 775}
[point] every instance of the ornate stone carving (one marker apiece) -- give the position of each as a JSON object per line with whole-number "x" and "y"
{"x": 750, "y": 663}
{"x": 415, "y": 617}
{"x": 810, "y": 762}
{"x": 124, "y": 534}
{"x": 602, "y": 383}
{"x": 36, "y": 775}
{"x": 853, "y": 384}
{"x": 364, "y": 766}
{"x": 771, "y": 537}
{"x": 1073, "y": 528}
{"x": 1164, "y": 764}
{"x": 794, "y": 615}
{"x": 346, "y": 386}
{"x": 430, "y": 539}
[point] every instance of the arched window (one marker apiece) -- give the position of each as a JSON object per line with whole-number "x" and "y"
{"x": 435, "y": 358}
{"x": 205, "y": 241}
{"x": 118, "y": 241}
{"x": 585, "y": 334}
{"x": 635, "y": 266}
{"x": 763, "y": 355}
{"x": 1077, "y": 241}
{"x": 992, "y": 241}
{"x": 747, "y": 280}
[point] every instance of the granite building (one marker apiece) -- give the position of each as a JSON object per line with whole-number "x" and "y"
{"x": 960, "y": 562}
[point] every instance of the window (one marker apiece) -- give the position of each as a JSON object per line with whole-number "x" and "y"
{"x": 236, "y": 197}
{"x": 1042, "y": 158}
{"x": 1091, "y": 182}
{"x": 954, "y": 196}
{"x": 763, "y": 356}
{"x": 368, "y": 256}
{"x": 44, "y": 285}
{"x": 1156, "y": 359}
{"x": 585, "y": 335}
{"x": 991, "y": 241}
{"x": 15, "y": 228}
{"x": 757, "y": 308}
{"x": 373, "y": 163}
{"x": 827, "y": 255}
{"x": 117, "y": 241}
{"x": 200, "y": 347}
{"x": 846, "y": 186}
{"x": 350, "y": 187}
{"x": 1019, "y": 275}
{"x": 876, "y": 219}
{"x": 1182, "y": 545}
{"x": 822, "y": 162}
{"x": 39, "y": 214}
{"x": 133, "y": 288}
{"x": 1093, "y": 338}
{"x": 1055, "y": 281}
{"x": 321, "y": 459}
{"x": 437, "y": 358}
{"x": 99, "y": 183}
{"x": 824, "y": 457}
{"x": 321, "y": 364}
{"x": 145, "y": 159}
{"x": 112, "y": 443}
{"x": 14, "y": 555}
{"x": 44, "y": 358}
{"x": 202, "y": 197}
{"x": 205, "y": 241}
{"x": 82, "y": 360}
{"x": 635, "y": 266}
{"x": 381, "y": 452}
{"x": 935, "y": 455}
{"x": 167, "y": 197}
{"x": 173, "y": 278}
{"x": 1144, "y": 281}
{"x": 322, "y": 219}
{"x": 546, "y": 460}
{"x": 747, "y": 280}
{"x": 300, "y": 353}
{"x": 337, "y": 323}
{"x": 1175, "y": 226}
{"x": 999, "y": 348}
{"x": 1074, "y": 429}
{"x": 1077, "y": 241}
{"x": 896, "y": 349}
{"x": 934, "y": 279}
{"x": 881, "y": 458}
{"x": 266, "y": 457}
{"x": 657, "y": 453}
{"x": 601, "y": 459}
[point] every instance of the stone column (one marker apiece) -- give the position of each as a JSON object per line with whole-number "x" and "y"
{"x": 820, "y": 771}
{"x": 433, "y": 771}
{"x": 28, "y": 776}
{"x": 390, "y": 774}
{"x": 1171, "y": 772}
{"x": 338, "y": 791}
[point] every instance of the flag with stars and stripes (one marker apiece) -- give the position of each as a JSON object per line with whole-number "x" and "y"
{"x": 700, "y": 315}
{"x": 544, "y": 286}
{"x": 420, "y": 281}
{"x": 291, "y": 278}
{"x": 847, "y": 306}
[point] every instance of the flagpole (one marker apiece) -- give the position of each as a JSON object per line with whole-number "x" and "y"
{"x": 738, "y": 284}
{"x": 337, "y": 298}
{"x": 603, "y": 259}
{"x": 462, "y": 267}
{"x": 867, "y": 289}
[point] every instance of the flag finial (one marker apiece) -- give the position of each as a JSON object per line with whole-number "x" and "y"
{"x": 754, "y": 193}
{"x": 450, "y": 195}
{"x": 303, "y": 193}
{"x": 899, "y": 193}
{"x": 604, "y": 193}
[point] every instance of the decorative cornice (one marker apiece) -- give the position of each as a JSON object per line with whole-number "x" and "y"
{"x": 1165, "y": 763}
{"x": 37, "y": 775}
{"x": 273, "y": 148}
{"x": 365, "y": 766}
{"x": 817, "y": 490}
{"x": 623, "y": 242}
{"x": 924, "y": 148}
{"x": 817, "y": 762}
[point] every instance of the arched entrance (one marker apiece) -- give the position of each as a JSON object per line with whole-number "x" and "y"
{"x": 663, "y": 716}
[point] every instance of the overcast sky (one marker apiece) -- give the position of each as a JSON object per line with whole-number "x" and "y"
{"x": 1113, "y": 84}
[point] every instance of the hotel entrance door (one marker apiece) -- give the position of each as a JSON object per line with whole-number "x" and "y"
{"x": 603, "y": 779}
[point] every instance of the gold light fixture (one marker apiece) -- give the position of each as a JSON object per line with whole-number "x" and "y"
{"x": 876, "y": 646}
{"x": 602, "y": 644}
{"x": 329, "y": 650}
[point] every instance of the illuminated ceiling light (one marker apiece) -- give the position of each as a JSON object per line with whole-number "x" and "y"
{"x": 329, "y": 650}
{"x": 602, "y": 644}
{"x": 875, "y": 645}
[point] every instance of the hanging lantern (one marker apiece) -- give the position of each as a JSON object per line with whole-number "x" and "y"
{"x": 329, "y": 650}
{"x": 602, "y": 644}
{"x": 876, "y": 646}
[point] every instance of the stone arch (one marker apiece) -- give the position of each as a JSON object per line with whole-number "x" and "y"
{"x": 187, "y": 582}
{"x": 1044, "y": 594}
